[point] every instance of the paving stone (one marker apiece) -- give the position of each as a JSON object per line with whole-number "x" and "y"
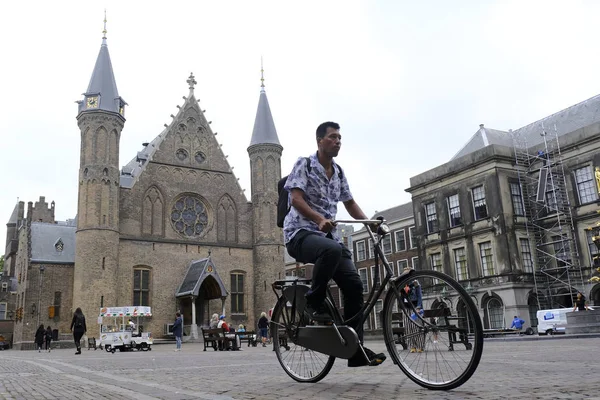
{"x": 541, "y": 369}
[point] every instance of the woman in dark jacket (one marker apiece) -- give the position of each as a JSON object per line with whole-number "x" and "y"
{"x": 78, "y": 327}
{"x": 40, "y": 335}
{"x": 48, "y": 338}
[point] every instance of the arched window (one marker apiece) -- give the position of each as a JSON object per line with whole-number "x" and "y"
{"x": 495, "y": 313}
{"x": 141, "y": 286}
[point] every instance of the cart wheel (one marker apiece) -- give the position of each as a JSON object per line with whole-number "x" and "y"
{"x": 113, "y": 351}
{"x": 107, "y": 348}
{"x": 450, "y": 348}
{"x": 469, "y": 346}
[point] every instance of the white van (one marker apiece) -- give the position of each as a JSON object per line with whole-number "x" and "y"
{"x": 551, "y": 322}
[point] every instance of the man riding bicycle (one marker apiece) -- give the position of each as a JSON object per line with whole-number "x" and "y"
{"x": 316, "y": 185}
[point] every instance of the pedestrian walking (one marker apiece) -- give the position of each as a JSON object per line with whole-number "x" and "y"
{"x": 40, "y": 334}
{"x": 263, "y": 326}
{"x": 48, "y": 338}
{"x": 78, "y": 328}
{"x": 178, "y": 330}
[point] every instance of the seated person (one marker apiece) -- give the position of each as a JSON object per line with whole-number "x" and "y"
{"x": 223, "y": 324}
{"x": 242, "y": 329}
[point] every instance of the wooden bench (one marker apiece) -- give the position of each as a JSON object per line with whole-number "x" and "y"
{"x": 216, "y": 339}
{"x": 249, "y": 337}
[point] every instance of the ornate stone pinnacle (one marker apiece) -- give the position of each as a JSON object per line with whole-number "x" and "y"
{"x": 191, "y": 81}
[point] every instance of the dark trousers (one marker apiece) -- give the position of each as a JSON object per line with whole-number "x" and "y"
{"x": 47, "y": 344}
{"x": 332, "y": 260}
{"x": 77, "y": 337}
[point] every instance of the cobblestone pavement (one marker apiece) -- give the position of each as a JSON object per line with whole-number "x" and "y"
{"x": 555, "y": 368}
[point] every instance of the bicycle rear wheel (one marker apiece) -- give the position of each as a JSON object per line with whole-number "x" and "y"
{"x": 302, "y": 364}
{"x": 439, "y": 347}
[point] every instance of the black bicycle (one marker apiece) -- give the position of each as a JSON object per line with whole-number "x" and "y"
{"x": 431, "y": 326}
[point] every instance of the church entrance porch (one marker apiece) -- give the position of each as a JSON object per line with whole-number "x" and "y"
{"x": 196, "y": 295}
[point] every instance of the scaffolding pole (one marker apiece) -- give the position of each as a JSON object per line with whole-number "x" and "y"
{"x": 548, "y": 220}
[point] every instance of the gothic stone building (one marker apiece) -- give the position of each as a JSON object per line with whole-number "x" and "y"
{"x": 172, "y": 229}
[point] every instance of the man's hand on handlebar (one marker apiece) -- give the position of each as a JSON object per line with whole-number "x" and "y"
{"x": 326, "y": 225}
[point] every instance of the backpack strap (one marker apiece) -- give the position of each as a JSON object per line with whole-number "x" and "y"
{"x": 340, "y": 172}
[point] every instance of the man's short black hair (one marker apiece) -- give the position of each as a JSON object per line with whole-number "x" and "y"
{"x": 322, "y": 129}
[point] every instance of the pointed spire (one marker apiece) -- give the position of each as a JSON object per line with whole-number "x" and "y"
{"x": 264, "y": 128}
{"x": 14, "y": 217}
{"x": 102, "y": 93}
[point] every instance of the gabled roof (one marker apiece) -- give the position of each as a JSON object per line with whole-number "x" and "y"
{"x": 152, "y": 152}
{"x": 482, "y": 138}
{"x": 396, "y": 213}
{"x": 565, "y": 121}
{"x": 134, "y": 168}
{"x": 198, "y": 272}
{"x": 44, "y": 240}
{"x": 264, "y": 131}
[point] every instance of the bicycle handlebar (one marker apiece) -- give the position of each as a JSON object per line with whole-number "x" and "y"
{"x": 359, "y": 221}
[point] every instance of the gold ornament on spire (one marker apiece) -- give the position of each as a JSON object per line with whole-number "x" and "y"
{"x": 262, "y": 74}
{"x": 104, "y": 31}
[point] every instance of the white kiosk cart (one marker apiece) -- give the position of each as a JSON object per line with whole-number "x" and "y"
{"x": 117, "y": 333}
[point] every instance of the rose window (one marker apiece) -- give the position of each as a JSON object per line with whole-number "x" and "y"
{"x": 200, "y": 157}
{"x": 181, "y": 154}
{"x": 189, "y": 216}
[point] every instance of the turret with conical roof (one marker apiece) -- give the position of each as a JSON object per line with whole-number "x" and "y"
{"x": 100, "y": 119}
{"x": 265, "y": 165}
{"x": 102, "y": 93}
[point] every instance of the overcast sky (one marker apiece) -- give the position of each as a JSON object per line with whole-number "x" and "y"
{"x": 409, "y": 82}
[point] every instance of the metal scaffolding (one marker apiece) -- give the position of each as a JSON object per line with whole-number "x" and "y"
{"x": 548, "y": 220}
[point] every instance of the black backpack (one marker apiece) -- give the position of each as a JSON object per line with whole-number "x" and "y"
{"x": 282, "y": 202}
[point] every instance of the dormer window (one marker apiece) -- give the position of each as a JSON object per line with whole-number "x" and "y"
{"x": 59, "y": 245}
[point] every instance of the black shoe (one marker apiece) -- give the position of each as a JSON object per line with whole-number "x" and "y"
{"x": 358, "y": 360}
{"x": 319, "y": 314}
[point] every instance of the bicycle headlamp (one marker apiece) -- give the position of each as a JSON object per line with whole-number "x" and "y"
{"x": 383, "y": 229}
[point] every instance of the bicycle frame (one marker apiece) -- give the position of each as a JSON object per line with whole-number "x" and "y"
{"x": 375, "y": 291}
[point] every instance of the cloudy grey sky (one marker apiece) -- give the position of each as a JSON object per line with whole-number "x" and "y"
{"x": 409, "y": 82}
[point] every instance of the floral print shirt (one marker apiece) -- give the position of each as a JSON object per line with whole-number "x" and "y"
{"x": 320, "y": 193}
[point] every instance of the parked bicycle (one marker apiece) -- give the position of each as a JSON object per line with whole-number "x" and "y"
{"x": 431, "y": 326}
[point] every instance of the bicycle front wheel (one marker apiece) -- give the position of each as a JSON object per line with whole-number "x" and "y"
{"x": 439, "y": 346}
{"x": 302, "y": 364}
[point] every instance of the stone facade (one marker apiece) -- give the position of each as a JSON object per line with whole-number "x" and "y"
{"x": 491, "y": 239}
